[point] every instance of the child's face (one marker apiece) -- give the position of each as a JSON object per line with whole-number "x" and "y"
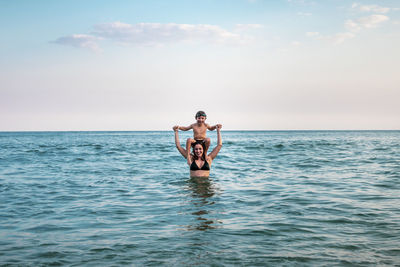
{"x": 201, "y": 119}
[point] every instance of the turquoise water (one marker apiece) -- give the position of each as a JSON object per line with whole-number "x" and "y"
{"x": 288, "y": 198}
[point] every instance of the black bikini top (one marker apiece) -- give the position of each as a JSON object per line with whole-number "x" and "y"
{"x": 194, "y": 167}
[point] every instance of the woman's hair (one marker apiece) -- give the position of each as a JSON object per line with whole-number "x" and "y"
{"x": 203, "y": 157}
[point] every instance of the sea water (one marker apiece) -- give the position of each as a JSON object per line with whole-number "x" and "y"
{"x": 273, "y": 198}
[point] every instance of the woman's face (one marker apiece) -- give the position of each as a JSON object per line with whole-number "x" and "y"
{"x": 198, "y": 150}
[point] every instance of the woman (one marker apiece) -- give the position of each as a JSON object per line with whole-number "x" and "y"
{"x": 199, "y": 162}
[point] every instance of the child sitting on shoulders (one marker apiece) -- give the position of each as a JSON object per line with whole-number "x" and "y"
{"x": 199, "y": 131}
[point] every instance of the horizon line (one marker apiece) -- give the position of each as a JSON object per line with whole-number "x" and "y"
{"x": 228, "y": 130}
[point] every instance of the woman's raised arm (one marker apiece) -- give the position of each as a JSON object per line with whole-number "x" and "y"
{"x": 177, "y": 143}
{"x": 216, "y": 149}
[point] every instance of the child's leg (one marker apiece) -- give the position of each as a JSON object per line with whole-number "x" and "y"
{"x": 207, "y": 143}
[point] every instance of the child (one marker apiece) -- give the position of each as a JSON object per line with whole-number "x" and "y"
{"x": 199, "y": 131}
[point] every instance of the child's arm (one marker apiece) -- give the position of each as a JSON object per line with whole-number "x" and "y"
{"x": 183, "y": 128}
{"x": 212, "y": 128}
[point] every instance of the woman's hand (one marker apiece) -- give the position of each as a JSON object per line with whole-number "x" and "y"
{"x": 175, "y": 128}
{"x": 216, "y": 149}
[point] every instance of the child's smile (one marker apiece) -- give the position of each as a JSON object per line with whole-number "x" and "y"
{"x": 201, "y": 119}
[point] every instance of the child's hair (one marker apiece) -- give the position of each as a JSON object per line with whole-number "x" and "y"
{"x": 200, "y": 113}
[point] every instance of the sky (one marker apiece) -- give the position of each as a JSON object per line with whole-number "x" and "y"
{"x": 72, "y": 65}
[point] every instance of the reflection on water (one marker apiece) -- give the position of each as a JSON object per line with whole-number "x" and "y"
{"x": 202, "y": 191}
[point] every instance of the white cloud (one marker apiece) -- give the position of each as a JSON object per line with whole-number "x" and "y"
{"x": 302, "y": 2}
{"x": 245, "y": 27}
{"x": 157, "y": 33}
{"x": 312, "y": 34}
{"x": 340, "y": 37}
{"x": 336, "y": 39}
{"x": 372, "y": 21}
{"x": 365, "y": 22}
{"x": 247, "y": 32}
{"x": 80, "y": 40}
{"x": 304, "y": 14}
{"x": 370, "y": 8}
{"x": 352, "y": 26}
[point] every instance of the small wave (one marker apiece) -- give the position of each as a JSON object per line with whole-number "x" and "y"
{"x": 50, "y": 255}
{"x": 324, "y": 143}
{"x": 385, "y": 185}
{"x": 381, "y": 149}
{"x": 48, "y": 244}
{"x": 104, "y": 249}
{"x": 279, "y": 146}
{"x": 32, "y": 151}
{"x": 123, "y": 247}
{"x": 338, "y": 221}
{"x": 47, "y": 228}
{"x": 306, "y": 166}
{"x": 254, "y": 147}
{"x": 350, "y": 247}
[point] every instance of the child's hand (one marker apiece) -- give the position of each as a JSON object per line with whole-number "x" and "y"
{"x": 219, "y": 126}
{"x": 175, "y": 128}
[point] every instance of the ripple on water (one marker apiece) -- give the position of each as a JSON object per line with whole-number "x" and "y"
{"x": 47, "y": 228}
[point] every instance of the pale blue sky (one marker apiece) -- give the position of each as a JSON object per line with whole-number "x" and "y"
{"x": 250, "y": 64}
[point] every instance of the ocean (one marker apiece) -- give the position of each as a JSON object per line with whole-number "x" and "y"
{"x": 273, "y": 198}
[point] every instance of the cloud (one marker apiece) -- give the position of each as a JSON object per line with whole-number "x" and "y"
{"x": 365, "y": 22}
{"x": 296, "y": 43}
{"x": 301, "y": 2}
{"x": 246, "y": 27}
{"x": 157, "y": 33}
{"x": 353, "y": 27}
{"x": 336, "y": 39}
{"x": 340, "y": 37}
{"x": 372, "y": 21}
{"x": 154, "y": 34}
{"x": 370, "y": 8}
{"x": 312, "y": 34}
{"x": 304, "y": 14}
{"x": 80, "y": 40}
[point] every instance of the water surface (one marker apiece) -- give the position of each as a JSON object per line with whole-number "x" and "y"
{"x": 286, "y": 198}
